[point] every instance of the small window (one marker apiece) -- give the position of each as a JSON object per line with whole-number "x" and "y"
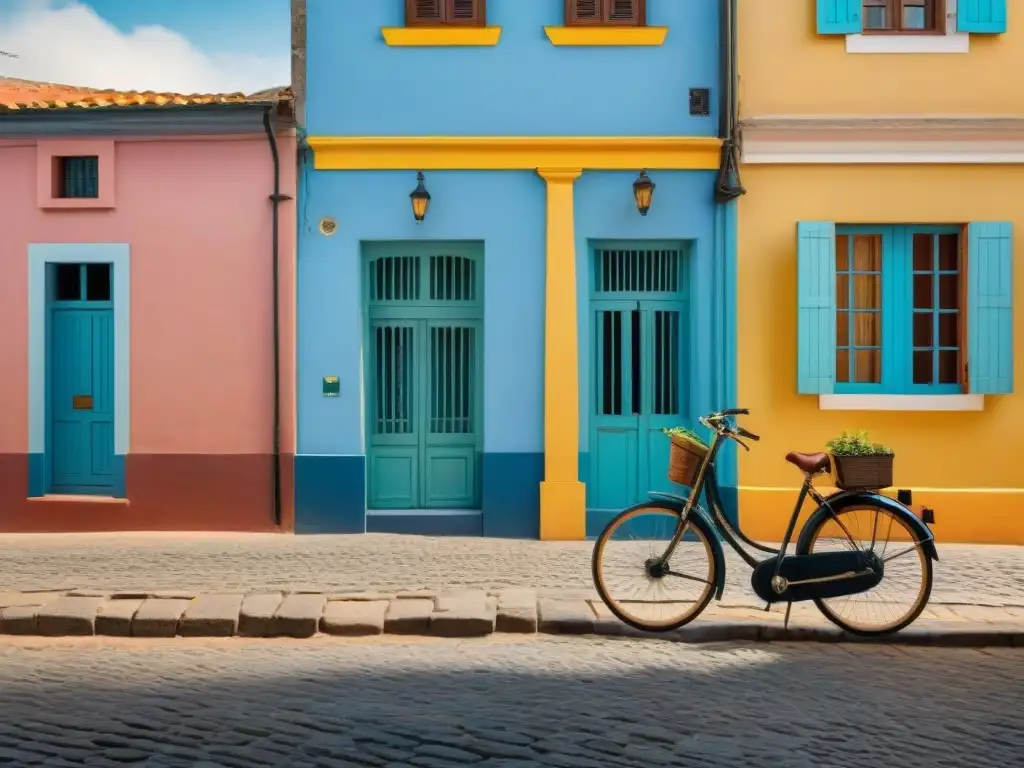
{"x": 899, "y": 310}
{"x": 81, "y": 282}
{"x": 618, "y": 12}
{"x": 78, "y": 177}
{"x": 904, "y": 17}
{"x": 437, "y": 13}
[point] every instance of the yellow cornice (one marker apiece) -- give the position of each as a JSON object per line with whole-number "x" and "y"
{"x": 440, "y": 36}
{"x": 514, "y": 153}
{"x": 606, "y": 35}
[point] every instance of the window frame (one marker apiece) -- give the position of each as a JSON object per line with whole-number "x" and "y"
{"x": 447, "y": 6}
{"x": 895, "y": 8}
{"x": 639, "y": 20}
{"x": 897, "y": 310}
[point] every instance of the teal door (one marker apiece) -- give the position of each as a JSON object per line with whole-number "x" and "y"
{"x": 80, "y": 379}
{"x": 639, "y": 358}
{"x": 424, "y": 378}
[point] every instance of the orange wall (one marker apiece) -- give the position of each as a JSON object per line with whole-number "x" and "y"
{"x": 197, "y": 217}
{"x": 786, "y": 68}
{"x": 953, "y": 454}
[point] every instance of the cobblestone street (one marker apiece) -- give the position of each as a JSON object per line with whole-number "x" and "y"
{"x": 504, "y": 703}
{"x": 971, "y": 575}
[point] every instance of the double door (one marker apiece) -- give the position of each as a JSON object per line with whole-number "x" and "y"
{"x": 639, "y": 356}
{"x": 424, "y": 409}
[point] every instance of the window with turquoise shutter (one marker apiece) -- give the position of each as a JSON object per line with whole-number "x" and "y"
{"x": 913, "y": 309}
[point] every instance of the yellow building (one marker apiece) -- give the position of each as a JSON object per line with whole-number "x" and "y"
{"x": 883, "y": 156}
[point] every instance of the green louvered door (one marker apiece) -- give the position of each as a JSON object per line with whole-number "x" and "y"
{"x": 639, "y": 333}
{"x": 424, "y": 378}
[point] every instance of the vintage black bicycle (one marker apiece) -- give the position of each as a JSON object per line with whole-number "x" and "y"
{"x": 842, "y": 558}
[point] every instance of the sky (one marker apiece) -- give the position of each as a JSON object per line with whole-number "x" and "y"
{"x": 184, "y": 46}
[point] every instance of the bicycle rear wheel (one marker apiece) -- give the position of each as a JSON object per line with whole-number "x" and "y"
{"x": 906, "y": 584}
{"x": 630, "y": 584}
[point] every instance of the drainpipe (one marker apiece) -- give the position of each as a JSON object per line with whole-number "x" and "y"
{"x": 276, "y": 198}
{"x": 728, "y": 186}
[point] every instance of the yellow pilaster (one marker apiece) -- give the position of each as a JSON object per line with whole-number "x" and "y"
{"x": 562, "y": 496}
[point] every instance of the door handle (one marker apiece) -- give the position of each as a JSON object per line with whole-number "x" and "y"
{"x": 81, "y": 402}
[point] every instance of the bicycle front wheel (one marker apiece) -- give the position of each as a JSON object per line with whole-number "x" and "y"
{"x": 645, "y": 596}
{"x": 907, "y": 581}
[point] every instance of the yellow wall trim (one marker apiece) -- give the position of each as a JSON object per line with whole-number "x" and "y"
{"x": 600, "y": 35}
{"x": 514, "y": 153}
{"x": 440, "y": 36}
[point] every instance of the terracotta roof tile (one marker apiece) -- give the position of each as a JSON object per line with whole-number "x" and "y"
{"x": 16, "y": 95}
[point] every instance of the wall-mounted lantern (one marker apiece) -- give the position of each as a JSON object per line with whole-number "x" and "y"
{"x": 643, "y": 192}
{"x": 420, "y": 198}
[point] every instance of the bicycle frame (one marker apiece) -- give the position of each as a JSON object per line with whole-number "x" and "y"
{"x": 707, "y": 481}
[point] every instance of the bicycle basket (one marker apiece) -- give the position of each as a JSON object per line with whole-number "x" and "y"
{"x": 684, "y": 461}
{"x": 863, "y": 473}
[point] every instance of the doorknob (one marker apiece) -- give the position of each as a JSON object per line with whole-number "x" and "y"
{"x": 81, "y": 402}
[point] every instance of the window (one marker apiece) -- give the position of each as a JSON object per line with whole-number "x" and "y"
{"x": 625, "y": 12}
{"x": 904, "y": 16}
{"x": 77, "y": 177}
{"x": 898, "y": 310}
{"x": 436, "y": 13}
{"x": 81, "y": 282}
{"x": 905, "y": 309}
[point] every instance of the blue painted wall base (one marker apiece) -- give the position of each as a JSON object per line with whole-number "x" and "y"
{"x": 511, "y": 494}
{"x": 426, "y": 523}
{"x": 330, "y": 494}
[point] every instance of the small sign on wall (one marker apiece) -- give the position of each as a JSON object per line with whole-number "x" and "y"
{"x": 332, "y": 386}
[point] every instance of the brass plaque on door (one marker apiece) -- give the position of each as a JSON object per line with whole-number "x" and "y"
{"x": 82, "y": 402}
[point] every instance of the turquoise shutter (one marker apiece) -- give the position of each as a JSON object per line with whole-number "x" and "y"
{"x": 981, "y": 16}
{"x": 816, "y": 307}
{"x": 839, "y": 17}
{"x": 990, "y": 307}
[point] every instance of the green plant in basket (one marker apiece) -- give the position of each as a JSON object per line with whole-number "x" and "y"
{"x": 685, "y": 434}
{"x": 856, "y": 444}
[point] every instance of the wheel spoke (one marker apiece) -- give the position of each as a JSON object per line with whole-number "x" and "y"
{"x": 687, "y": 576}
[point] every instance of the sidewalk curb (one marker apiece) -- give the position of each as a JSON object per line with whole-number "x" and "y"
{"x": 461, "y": 614}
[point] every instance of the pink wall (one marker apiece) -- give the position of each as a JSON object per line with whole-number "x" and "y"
{"x": 197, "y": 217}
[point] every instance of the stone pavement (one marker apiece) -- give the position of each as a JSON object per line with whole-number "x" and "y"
{"x": 280, "y": 585}
{"x": 505, "y": 702}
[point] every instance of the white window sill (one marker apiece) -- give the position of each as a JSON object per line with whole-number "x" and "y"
{"x": 901, "y": 402}
{"x": 958, "y": 42}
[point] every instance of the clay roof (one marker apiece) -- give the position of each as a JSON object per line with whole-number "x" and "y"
{"x": 17, "y": 95}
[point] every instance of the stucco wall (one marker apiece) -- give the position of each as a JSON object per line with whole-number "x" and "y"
{"x": 964, "y": 464}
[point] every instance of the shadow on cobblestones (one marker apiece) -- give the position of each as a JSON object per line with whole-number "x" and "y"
{"x": 557, "y": 702}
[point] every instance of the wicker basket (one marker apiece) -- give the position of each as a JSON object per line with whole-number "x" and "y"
{"x": 867, "y": 473}
{"x": 684, "y": 461}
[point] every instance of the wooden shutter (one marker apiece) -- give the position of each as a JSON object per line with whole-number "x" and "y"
{"x": 816, "y": 307}
{"x": 626, "y": 12}
{"x": 981, "y": 16}
{"x": 990, "y": 307}
{"x": 630, "y": 12}
{"x": 839, "y": 17}
{"x": 466, "y": 12}
{"x": 424, "y": 13}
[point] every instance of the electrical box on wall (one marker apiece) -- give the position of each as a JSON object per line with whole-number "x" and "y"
{"x": 332, "y": 386}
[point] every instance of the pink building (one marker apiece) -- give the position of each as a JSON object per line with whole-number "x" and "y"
{"x": 147, "y": 279}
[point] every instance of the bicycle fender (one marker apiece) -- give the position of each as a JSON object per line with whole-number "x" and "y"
{"x": 699, "y": 519}
{"x": 843, "y": 499}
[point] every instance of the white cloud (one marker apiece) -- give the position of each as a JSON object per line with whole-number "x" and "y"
{"x": 74, "y": 46}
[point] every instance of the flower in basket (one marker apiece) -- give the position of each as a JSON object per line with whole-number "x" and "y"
{"x": 685, "y": 435}
{"x": 859, "y": 462}
{"x": 856, "y": 444}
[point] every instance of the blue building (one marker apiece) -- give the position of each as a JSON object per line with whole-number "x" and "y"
{"x": 516, "y": 259}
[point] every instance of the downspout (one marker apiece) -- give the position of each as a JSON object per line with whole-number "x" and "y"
{"x": 275, "y": 198}
{"x": 728, "y": 186}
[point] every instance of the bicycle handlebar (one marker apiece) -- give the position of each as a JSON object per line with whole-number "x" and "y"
{"x": 719, "y": 422}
